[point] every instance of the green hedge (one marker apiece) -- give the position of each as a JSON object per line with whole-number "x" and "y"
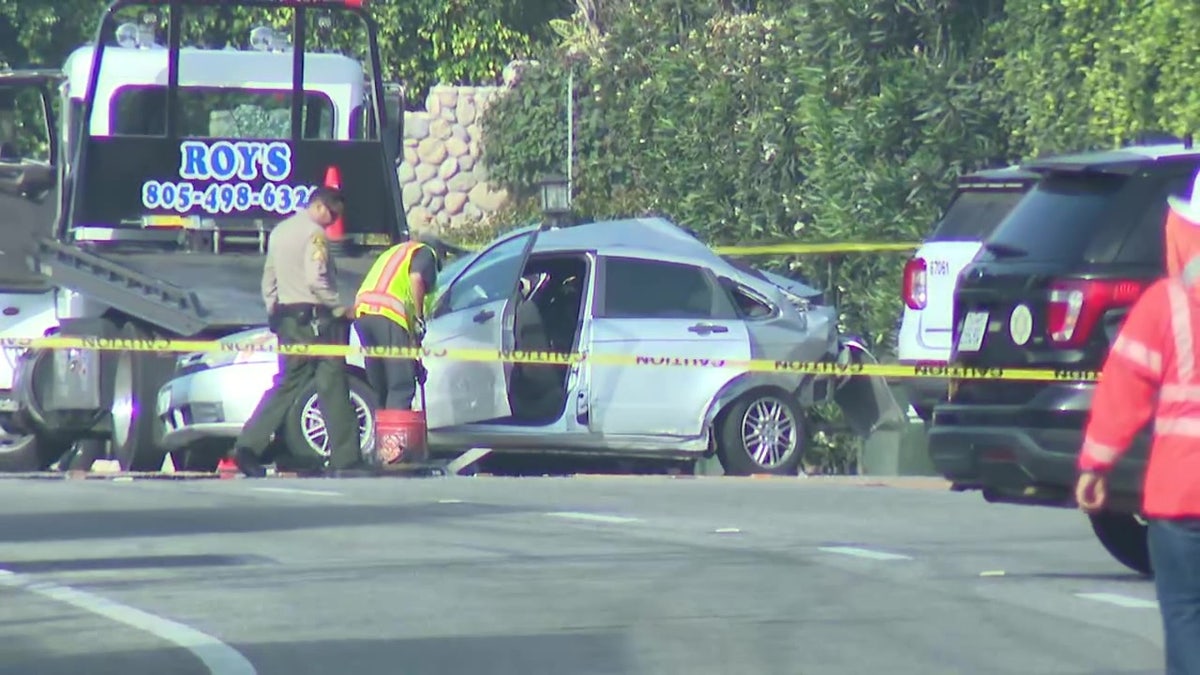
{"x": 838, "y": 120}
{"x": 803, "y": 123}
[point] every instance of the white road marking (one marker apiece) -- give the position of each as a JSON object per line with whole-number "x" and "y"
{"x": 726, "y": 530}
{"x": 218, "y": 657}
{"x": 298, "y": 491}
{"x": 1119, "y": 600}
{"x": 595, "y": 517}
{"x": 466, "y": 459}
{"x": 864, "y": 553}
{"x": 450, "y": 501}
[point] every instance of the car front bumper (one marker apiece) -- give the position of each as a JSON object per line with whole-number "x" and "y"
{"x": 215, "y": 402}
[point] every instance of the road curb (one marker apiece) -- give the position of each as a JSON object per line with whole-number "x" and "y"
{"x": 906, "y": 482}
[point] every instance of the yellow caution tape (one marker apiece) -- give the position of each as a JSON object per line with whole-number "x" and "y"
{"x": 554, "y": 358}
{"x": 802, "y": 249}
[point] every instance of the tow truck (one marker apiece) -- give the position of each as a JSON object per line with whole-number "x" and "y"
{"x": 168, "y": 167}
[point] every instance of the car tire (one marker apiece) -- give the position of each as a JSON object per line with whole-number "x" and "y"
{"x": 1125, "y": 538}
{"x": 761, "y": 410}
{"x": 202, "y": 456}
{"x": 304, "y": 426}
{"x": 137, "y": 377}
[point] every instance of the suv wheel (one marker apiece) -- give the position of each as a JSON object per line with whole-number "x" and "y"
{"x": 762, "y": 432}
{"x": 1124, "y": 537}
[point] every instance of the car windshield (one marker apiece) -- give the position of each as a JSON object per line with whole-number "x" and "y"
{"x": 1057, "y": 220}
{"x": 975, "y": 212}
{"x": 451, "y": 269}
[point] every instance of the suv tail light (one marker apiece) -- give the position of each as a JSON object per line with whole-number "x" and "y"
{"x": 1077, "y": 304}
{"x": 915, "y": 291}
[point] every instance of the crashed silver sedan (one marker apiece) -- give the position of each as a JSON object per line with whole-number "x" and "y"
{"x": 624, "y": 287}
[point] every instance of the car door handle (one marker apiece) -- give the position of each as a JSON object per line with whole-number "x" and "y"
{"x": 706, "y": 328}
{"x": 483, "y": 315}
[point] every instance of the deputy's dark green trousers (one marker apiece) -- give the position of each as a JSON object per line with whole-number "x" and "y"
{"x": 333, "y": 398}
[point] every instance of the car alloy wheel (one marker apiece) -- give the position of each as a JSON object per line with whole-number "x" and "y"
{"x": 769, "y": 432}
{"x": 313, "y": 424}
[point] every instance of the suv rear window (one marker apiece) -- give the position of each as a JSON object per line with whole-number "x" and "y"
{"x": 1058, "y": 218}
{"x": 974, "y": 212}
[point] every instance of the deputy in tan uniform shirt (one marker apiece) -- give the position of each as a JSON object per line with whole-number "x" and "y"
{"x": 299, "y": 288}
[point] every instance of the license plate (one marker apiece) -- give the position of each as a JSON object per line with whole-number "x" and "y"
{"x": 974, "y": 328}
{"x": 164, "y": 400}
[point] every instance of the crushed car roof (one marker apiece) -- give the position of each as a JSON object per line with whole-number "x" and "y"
{"x": 638, "y": 235}
{"x": 651, "y": 238}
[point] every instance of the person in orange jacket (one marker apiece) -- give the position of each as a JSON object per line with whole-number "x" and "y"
{"x": 1152, "y": 374}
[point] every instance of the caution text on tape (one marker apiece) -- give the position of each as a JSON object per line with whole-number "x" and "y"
{"x": 555, "y": 358}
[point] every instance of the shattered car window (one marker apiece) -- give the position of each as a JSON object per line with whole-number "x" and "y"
{"x": 643, "y": 289}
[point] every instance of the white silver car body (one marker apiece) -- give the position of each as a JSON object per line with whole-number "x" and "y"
{"x": 664, "y": 411}
{"x": 980, "y": 202}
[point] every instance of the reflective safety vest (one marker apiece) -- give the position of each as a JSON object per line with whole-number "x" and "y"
{"x": 387, "y": 290}
{"x": 1152, "y": 375}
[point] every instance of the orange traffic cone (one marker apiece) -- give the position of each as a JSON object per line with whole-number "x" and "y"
{"x": 337, "y": 230}
{"x": 227, "y": 468}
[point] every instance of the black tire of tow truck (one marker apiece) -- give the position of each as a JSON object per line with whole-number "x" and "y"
{"x": 19, "y": 454}
{"x": 1125, "y": 538}
{"x": 731, "y": 450}
{"x": 136, "y": 379}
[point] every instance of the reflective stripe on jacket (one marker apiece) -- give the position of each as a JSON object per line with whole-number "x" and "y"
{"x": 1151, "y": 375}
{"x": 387, "y": 289}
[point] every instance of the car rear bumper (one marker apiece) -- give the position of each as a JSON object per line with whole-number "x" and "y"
{"x": 211, "y": 403}
{"x": 1019, "y": 455}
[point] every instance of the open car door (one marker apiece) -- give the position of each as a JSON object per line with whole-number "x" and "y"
{"x": 475, "y": 312}
{"x": 28, "y": 183}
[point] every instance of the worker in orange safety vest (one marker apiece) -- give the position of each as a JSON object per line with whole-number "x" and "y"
{"x": 389, "y": 311}
{"x": 1152, "y": 374}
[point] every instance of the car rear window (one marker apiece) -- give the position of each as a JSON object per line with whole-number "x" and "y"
{"x": 975, "y": 211}
{"x": 1058, "y": 218}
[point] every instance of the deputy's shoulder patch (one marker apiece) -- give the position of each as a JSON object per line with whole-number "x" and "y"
{"x": 319, "y": 247}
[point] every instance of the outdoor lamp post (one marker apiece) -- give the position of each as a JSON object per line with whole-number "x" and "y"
{"x": 556, "y": 199}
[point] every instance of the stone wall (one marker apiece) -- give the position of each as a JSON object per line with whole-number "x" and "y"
{"x": 444, "y": 181}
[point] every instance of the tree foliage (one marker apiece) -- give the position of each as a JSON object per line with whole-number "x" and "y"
{"x": 818, "y": 121}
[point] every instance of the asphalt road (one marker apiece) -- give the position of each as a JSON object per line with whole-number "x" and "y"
{"x": 525, "y": 576}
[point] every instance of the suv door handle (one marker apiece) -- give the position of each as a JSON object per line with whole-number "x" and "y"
{"x": 706, "y": 328}
{"x": 483, "y": 315}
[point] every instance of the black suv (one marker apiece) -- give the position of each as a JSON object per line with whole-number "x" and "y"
{"x": 1049, "y": 290}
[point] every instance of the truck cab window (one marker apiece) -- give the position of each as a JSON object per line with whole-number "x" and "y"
{"x": 217, "y": 112}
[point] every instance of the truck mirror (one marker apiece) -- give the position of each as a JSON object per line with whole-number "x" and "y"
{"x": 393, "y": 104}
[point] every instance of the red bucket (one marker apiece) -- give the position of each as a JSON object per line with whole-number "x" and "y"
{"x": 400, "y": 436}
